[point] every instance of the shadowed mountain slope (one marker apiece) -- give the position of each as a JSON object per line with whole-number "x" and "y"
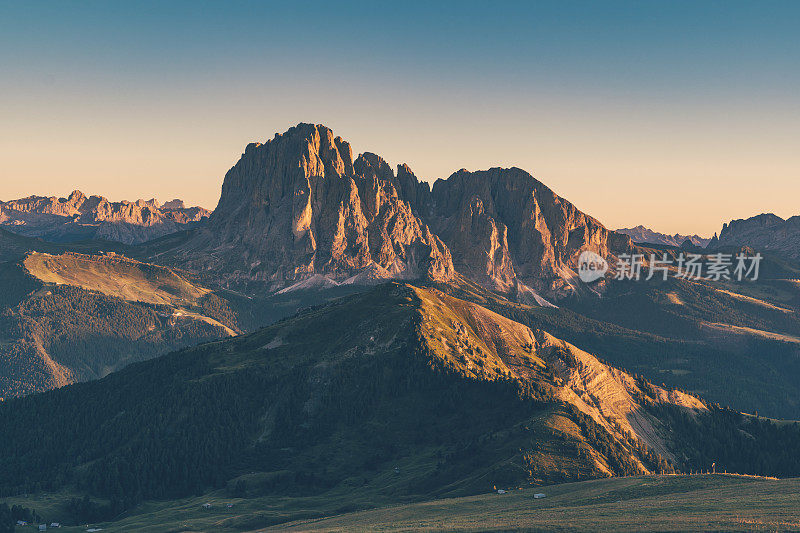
{"x": 73, "y": 317}
{"x": 765, "y": 232}
{"x": 401, "y": 390}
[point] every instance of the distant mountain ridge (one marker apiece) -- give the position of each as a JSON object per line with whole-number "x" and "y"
{"x": 79, "y": 217}
{"x": 646, "y": 235}
{"x": 300, "y": 205}
{"x": 767, "y": 232}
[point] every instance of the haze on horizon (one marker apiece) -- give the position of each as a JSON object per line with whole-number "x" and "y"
{"x": 678, "y": 116}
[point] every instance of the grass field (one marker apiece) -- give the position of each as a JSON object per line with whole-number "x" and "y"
{"x": 115, "y": 276}
{"x": 710, "y": 502}
{"x": 653, "y": 503}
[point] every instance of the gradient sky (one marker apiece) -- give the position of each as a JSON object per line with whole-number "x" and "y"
{"x": 675, "y": 115}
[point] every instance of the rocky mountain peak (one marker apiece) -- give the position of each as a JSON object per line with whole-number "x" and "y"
{"x": 765, "y": 232}
{"x": 298, "y": 205}
{"x": 504, "y": 228}
{"x": 76, "y": 197}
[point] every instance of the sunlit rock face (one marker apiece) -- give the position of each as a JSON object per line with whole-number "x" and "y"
{"x": 299, "y": 205}
{"x": 504, "y": 227}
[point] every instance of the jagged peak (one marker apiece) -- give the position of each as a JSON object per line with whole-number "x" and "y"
{"x": 760, "y": 218}
{"x": 404, "y": 168}
{"x": 319, "y": 208}
{"x": 370, "y": 164}
{"x": 514, "y": 173}
{"x": 176, "y": 203}
{"x": 307, "y": 143}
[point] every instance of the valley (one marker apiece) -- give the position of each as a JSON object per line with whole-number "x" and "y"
{"x": 417, "y": 396}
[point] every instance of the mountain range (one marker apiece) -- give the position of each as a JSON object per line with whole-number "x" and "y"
{"x": 297, "y": 213}
{"x": 338, "y": 330}
{"x": 642, "y": 234}
{"x": 300, "y": 206}
{"x": 301, "y": 221}
{"x": 79, "y": 217}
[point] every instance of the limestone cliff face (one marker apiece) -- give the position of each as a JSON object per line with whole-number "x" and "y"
{"x": 504, "y": 227}
{"x": 299, "y": 205}
{"x": 81, "y": 217}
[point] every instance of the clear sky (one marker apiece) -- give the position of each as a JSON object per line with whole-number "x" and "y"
{"x": 675, "y": 115}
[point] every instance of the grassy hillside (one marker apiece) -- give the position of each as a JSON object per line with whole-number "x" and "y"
{"x": 15, "y": 247}
{"x": 396, "y": 395}
{"x": 730, "y": 343}
{"x": 658, "y": 503}
{"x": 672, "y": 333}
{"x": 707, "y": 502}
{"x": 69, "y": 316}
{"x": 115, "y": 276}
{"x": 337, "y": 391}
{"x": 73, "y": 317}
{"x": 58, "y": 335}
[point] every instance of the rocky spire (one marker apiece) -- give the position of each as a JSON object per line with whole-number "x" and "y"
{"x": 298, "y": 205}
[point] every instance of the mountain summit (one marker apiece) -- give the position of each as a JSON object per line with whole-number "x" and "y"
{"x": 299, "y": 206}
{"x": 507, "y": 230}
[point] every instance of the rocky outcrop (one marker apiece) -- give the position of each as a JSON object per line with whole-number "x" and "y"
{"x": 79, "y": 217}
{"x": 299, "y": 205}
{"x": 766, "y": 232}
{"x": 645, "y": 235}
{"x": 505, "y": 228}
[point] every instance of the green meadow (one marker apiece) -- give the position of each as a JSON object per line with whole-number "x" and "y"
{"x": 708, "y": 502}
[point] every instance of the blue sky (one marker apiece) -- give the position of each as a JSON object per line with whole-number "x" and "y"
{"x": 676, "y": 115}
